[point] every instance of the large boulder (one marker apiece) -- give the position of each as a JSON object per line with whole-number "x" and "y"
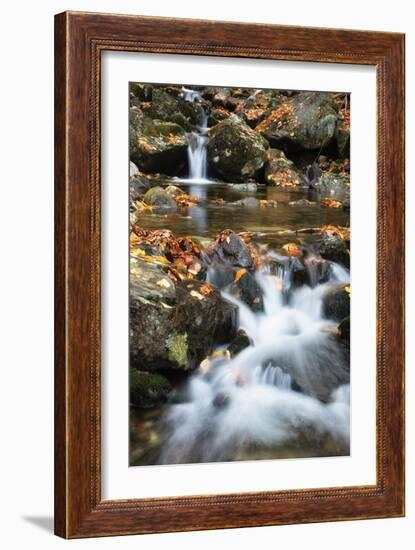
{"x": 280, "y": 171}
{"x": 157, "y": 146}
{"x": 307, "y": 120}
{"x": 175, "y": 326}
{"x": 236, "y": 153}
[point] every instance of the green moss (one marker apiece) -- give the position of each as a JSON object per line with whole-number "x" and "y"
{"x": 178, "y": 347}
{"x": 161, "y": 129}
{"x": 148, "y": 389}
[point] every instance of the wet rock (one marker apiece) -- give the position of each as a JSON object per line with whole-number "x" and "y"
{"x": 167, "y": 105}
{"x": 175, "y": 326}
{"x": 221, "y": 400}
{"x": 302, "y": 203}
{"x": 174, "y": 191}
{"x": 220, "y": 97}
{"x": 346, "y": 205}
{"x": 319, "y": 270}
{"x": 343, "y": 142}
{"x": 245, "y": 187}
{"x": 299, "y": 273}
{"x": 280, "y": 171}
{"x": 344, "y": 330}
{"x": 138, "y": 186}
{"x": 221, "y": 274}
{"x": 249, "y": 202}
{"x": 232, "y": 250}
{"x": 159, "y": 198}
{"x": 336, "y": 302}
{"x": 142, "y": 91}
{"x": 307, "y": 120}
{"x": 334, "y": 248}
{"x": 148, "y": 389}
{"x": 235, "y": 151}
{"x": 157, "y": 146}
{"x": 217, "y": 115}
{"x": 246, "y": 289}
{"x": 334, "y": 182}
{"x": 240, "y": 342}
{"x": 133, "y": 169}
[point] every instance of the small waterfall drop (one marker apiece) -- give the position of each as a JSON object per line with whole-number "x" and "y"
{"x": 197, "y": 142}
{"x": 290, "y": 384}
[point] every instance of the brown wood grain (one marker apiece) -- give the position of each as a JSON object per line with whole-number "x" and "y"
{"x": 79, "y": 40}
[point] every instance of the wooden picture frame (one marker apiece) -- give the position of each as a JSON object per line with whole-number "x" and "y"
{"x": 79, "y": 40}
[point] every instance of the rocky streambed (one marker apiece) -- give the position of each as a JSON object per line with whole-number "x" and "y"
{"x": 239, "y": 283}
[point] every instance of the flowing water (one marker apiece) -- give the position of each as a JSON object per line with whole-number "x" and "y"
{"x": 197, "y": 141}
{"x": 286, "y": 394}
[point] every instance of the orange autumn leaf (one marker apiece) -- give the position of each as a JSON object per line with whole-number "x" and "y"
{"x": 292, "y": 249}
{"x": 331, "y": 203}
{"x": 239, "y": 275}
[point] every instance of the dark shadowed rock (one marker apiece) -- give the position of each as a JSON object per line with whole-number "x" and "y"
{"x": 157, "y": 146}
{"x": 240, "y": 342}
{"x": 138, "y": 186}
{"x": 344, "y": 330}
{"x": 336, "y": 302}
{"x": 334, "y": 248}
{"x": 233, "y": 250}
{"x": 246, "y": 289}
{"x": 235, "y": 151}
{"x": 148, "y": 389}
{"x": 343, "y": 142}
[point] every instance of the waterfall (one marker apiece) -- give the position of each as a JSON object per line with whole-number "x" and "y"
{"x": 252, "y": 401}
{"x": 197, "y": 142}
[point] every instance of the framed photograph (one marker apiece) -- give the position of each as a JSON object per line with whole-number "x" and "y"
{"x": 229, "y": 280}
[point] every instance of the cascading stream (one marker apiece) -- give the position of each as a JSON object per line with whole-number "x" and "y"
{"x": 253, "y": 401}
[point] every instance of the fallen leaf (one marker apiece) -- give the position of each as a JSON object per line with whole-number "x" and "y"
{"x": 331, "y": 203}
{"x": 292, "y": 249}
{"x": 239, "y": 275}
{"x": 206, "y": 289}
{"x": 197, "y": 295}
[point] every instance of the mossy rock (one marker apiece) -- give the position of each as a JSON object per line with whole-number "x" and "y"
{"x": 175, "y": 326}
{"x": 148, "y": 389}
{"x": 160, "y": 199}
{"x": 157, "y": 146}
